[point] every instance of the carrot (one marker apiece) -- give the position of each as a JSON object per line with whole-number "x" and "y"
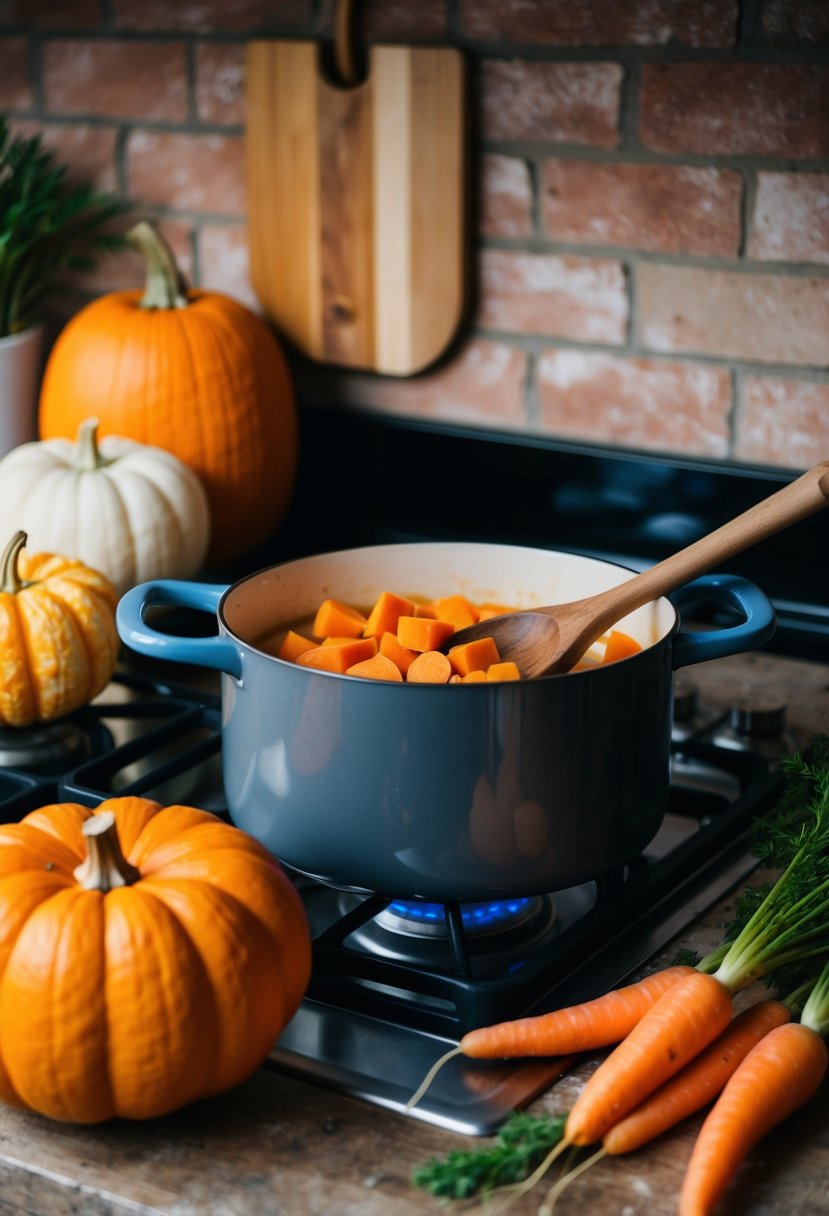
{"x": 378, "y": 667}
{"x": 474, "y": 677}
{"x": 576, "y": 1028}
{"x": 700, "y": 1081}
{"x": 421, "y": 633}
{"x": 431, "y": 667}
{"x": 385, "y": 614}
{"x": 619, "y": 646}
{"x": 473, "y": 656}
{"x": 335, "y": 619}
{"x": 674, "y": 1030}
{"x": 598, "y": 1023}
{"x": 777, "y": 1077}
{"x": 293, "y": 645}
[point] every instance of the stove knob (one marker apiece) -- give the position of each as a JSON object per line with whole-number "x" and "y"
{"x": 759, "y": 713}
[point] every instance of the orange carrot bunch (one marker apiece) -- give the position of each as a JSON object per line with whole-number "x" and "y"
{"x": 403, "y": 640}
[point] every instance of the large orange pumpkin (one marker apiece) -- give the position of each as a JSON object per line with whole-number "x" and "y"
{"x": 194, "y": 372}
{"x": 149, "y": 956}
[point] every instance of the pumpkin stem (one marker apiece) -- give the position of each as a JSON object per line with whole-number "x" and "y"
{"x": 166, "y": 286}
{"x": 10, "y": 581}
{"x": 105, "y": 866}
{"x": 87, "y": 456}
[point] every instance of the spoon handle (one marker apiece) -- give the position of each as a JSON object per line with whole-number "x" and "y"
{"x": 794, "y": 502}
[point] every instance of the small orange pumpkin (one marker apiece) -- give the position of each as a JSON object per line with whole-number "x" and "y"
{"x": 58, "y": 641}
{"x": 193, "y": 372}
{"x": 149, "y": 956}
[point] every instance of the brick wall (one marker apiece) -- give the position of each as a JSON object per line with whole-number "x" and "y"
{"x": 651, "y": 211}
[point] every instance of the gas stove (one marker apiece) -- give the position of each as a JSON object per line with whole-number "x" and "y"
{"x": 395, "y": 984}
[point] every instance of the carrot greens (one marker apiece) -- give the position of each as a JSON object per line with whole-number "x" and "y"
{"x": 522, "y": 1142}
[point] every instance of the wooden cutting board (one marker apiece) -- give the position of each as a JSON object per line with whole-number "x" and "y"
{"x": 357, "y": 202}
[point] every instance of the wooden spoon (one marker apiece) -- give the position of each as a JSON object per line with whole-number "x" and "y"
{"x": 543, "y": 641}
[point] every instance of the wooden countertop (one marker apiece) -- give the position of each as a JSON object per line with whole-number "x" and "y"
{"x": 281, "y": 1147}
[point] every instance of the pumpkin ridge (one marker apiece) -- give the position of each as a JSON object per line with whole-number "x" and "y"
{"x": 24, "y": 708}
{"x": 64, "y": 608}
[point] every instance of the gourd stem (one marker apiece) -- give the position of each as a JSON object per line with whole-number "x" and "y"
{"x": 166, "y": 286}
{"x": 105, "y": 866}
{"x": 87, "y": 456}
{"x": 10, "y": 581}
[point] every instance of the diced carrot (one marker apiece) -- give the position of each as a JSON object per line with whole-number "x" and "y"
{"x": 474, "y": 677}
{"x": 339, "y": 658}
{"x": 385, "y": 614}
{"x": 454, "y": 679}
{"x": 376, "y": 668}
{"x": 430, "y": 667}
{"x": 293, "y": 645}
{"x": 399, "y": 655}
{"x": 620, "y": 646}
{"x": 422, "y": 634}
{"x": 335, "y": 619}
{"x": 473, "y": 656}
{"x": 502, "y": 671}
{"x": 457, "y": 609}
{"x": 426, "y": 611}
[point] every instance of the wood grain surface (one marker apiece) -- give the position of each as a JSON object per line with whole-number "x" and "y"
{"x": 277, "y": 1146}
{"x": 357, "y": 202}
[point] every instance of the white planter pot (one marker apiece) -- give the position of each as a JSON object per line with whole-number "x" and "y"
{"x": 20, "y": 372}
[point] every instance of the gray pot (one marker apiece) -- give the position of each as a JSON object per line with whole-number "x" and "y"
{"x": 470, "y": 791}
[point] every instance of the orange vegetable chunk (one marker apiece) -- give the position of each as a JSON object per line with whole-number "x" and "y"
{"x": 376, "y": 668}
{"x": 335, "y": 619}
{"x": 399, "y": 655}
{"x": 339, "y": 658}
{"x": 293, "y": 645}
{"x": 487, "y": 611}
{"x": 457, "y": 609}
{"x": 431, "y": 667}
{"x": 385, "y": 614}
{"x": 474, "y": 677}
{"x": 620, "y": 646}
{"x": 342, "y": 642}
{"x": 502, "y": 671}
{"x": 474, "y": 656}
{"x": 422, "y": 634}
{"x": 425, "y": 610}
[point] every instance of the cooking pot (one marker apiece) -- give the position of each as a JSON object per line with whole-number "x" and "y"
{"x": 451, "y": 792}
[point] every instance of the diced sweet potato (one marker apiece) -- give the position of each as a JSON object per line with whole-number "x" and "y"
{"x": 339, "y": 658}
{"x": 376, "y": 668}
{"x": 473, "y": 656}
{"x": 422, "y": 634}
{"x": 457, "y": 609}
{"x": 502, "y": 671}
{"x": 293, "y": 645}
{"x": 399, "y": 655}
{"x": 430, "y": 667}
{"x": 335, "y": 619}
{"x": 385, "y": 614}
{"x": 620, "y": 646}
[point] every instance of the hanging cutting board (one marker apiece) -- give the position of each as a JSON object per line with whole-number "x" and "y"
{"x": 357, "y": 202}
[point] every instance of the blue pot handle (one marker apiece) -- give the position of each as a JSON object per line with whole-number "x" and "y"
{"x": 731, "y": 591}
{"x": 217, "y": 652}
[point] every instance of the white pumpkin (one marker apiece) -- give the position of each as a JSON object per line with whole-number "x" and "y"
{"x": 132, "y": 511}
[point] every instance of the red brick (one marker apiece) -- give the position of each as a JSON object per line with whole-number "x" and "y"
{"x": 567, "y": 297}
{"x": 87, "y": 152}
{"x": 392, "y": 20}
{"x": 783, "y": 422}
{"x": 483, "y": 384}
{"x": 640, "y": 403}
{"x": 206, "y": 16}
{"x": 117, "y": 79}
{"x": 220, "y": 83}
{"x": 187, "y": 172}
{"x": 601, "y": 22}
{"x": 574, "y": 103}
{"x": 506, "y": 196}
{"x": 658, "y": 208}
{"x": 740, "y": 109}
{"x": 15, "y": 86}
{"x": 796, "y": 23}
{"x": 48, "y": 15}
{"x": 224, "y": 262}
{"x": 768, "y": 318}
{"x": 790, "y": 221}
